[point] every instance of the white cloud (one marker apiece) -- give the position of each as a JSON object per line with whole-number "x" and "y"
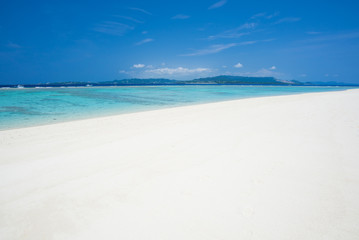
{"x": 211, "y": 49}
{"x": 303, "y": 75}
{"x": 147, "y": 40}
{"x": 140, "y": 65}
{"x": 218, "y": 4}
{"x": 178, "y": 70}
{"x": 238, "y": 65}
{"x": 181, "y": 16}
{"x": 144, "y": 32}
{"x": 273, "y": 68}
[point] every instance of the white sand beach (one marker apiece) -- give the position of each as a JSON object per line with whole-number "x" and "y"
{"x": 284, "y": 167}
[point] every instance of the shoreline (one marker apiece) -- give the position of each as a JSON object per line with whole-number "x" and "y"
{"x": 279, "y": 167}
{"x": 92, "y": 117}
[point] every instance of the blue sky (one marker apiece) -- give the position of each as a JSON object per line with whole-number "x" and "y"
{"x": 52, "y": 41}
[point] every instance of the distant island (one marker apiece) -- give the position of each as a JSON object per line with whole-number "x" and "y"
{"x": 218, "y": 80}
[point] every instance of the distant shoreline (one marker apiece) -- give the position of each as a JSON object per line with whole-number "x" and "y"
{"x": 218, "y": 80}
{"x": 144, "y": 85}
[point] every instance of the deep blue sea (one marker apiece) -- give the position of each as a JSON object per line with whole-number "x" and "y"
{"x": 38, "y": 106}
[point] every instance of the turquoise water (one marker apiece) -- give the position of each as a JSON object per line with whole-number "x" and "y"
{"x": 38, "y": 106}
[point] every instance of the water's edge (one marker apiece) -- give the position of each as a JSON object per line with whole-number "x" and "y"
{"x": 21, "y": 108}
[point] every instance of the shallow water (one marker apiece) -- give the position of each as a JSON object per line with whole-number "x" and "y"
{"x": 39, "y": 106}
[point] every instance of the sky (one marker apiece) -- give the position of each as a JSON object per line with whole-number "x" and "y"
{"x": 93, "y": 41}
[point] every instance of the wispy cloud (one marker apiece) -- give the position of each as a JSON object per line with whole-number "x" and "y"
{"x": 13, "y": 45}
{"x": 273, "y": 68}
{"x": 264, "y": 15}
{"x": 211, "y": 49}
{"x": 331, "y": 37}
{"x": 331, "y": 75}
{"x": 218, "y": 4}
{"x": 180, "y": 16}
{"x": 147, "y": 40}
{"x": 216, "y": 48}
{"x": 140, "y": 65}
{"x": 129, "y": 18}
{"x": 339, "y": 36}
{"x": 236, "y": 32}
{"x": 269, "y": 40}
{"x": 247, "y": 43}
{"x": 287, "y": 20}
{"x": 140, "y": 10}
{"x": 113, "y": 28}
{"x": 228, "y": 35}
{"x": 258, "y": 15}
{"x": 270, "y": 16}
{"x": 178, "y": 70}
{"x": 313, "y": 33}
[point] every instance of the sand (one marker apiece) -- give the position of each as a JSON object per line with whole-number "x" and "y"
{"x": 284, "y": 167}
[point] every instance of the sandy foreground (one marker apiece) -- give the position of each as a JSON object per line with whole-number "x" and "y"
{"x": 283, "y": 167}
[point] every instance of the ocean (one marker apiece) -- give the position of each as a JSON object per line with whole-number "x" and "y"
{"x": 28, "y": 107}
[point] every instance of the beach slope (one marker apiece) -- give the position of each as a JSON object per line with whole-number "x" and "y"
{"x": 284, "y": 167}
